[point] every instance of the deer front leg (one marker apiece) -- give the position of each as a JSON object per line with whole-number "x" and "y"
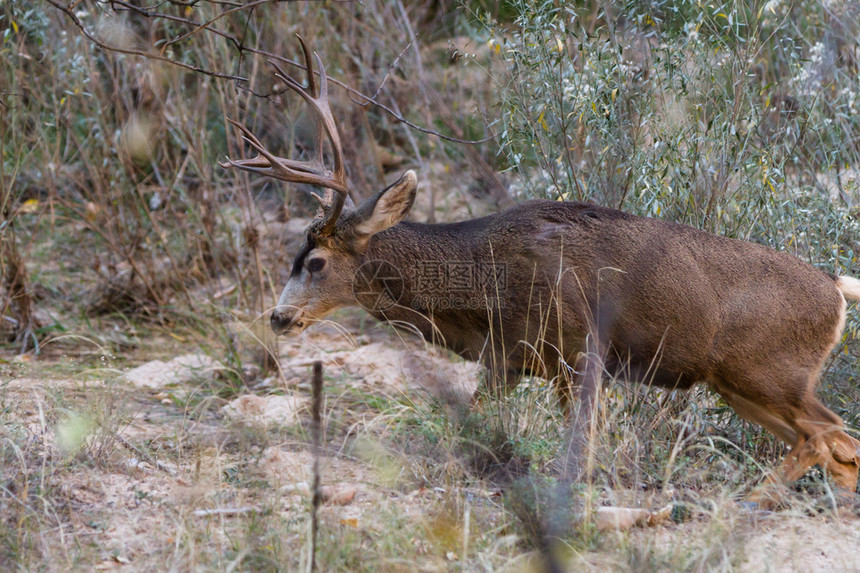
{"x": 500, "y": 378}
{"x": 582, "y": 422}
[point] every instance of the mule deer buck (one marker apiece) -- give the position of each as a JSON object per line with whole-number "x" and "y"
{"x": 543, "y": 287}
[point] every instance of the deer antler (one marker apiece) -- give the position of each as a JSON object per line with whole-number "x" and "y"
{"x": 312, "y": 172}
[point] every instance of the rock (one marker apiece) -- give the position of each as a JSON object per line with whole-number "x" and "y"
{"x": 265, "y": 409}
{"x": 180, "y": 370}
{"x": 383, "y": 366}
{"x": 250, "y": 372}
{"x": 340, "y": 494}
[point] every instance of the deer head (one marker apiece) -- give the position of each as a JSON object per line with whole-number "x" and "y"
{"x": 323, "y": 271}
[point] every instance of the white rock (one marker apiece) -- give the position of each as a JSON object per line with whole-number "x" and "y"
{"x": 381, "y": 365}
{"x": 180, "y": 370}
{"x": 265, "y": 409}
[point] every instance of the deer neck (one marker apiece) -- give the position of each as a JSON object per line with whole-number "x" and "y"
{"x": 431, "y": 276}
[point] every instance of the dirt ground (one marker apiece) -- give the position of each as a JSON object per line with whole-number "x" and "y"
{"x": 138, "y": 475}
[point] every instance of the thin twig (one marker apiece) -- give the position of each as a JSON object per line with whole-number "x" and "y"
{"x": 132, "y": 52}
{"x": 241, "y": 48}
{"x": 316, "y": 413}
{"x": 391, "y": 67}
{"x": 226, "y": 511}
{"x": 144, "y": 456}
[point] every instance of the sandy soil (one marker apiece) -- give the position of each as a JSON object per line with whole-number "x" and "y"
{"x": 135, "y": 503}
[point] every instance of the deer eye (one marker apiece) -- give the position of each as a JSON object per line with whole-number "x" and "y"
{"x": 315, "y": 265}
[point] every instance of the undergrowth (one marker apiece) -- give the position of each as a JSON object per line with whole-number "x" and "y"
{"x": 122, "y": 240}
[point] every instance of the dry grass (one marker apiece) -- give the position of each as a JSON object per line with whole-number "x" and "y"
{"x": 137, "y": 247}
{"x": 100, "y": 472}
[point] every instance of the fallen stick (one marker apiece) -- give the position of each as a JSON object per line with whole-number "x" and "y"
{"x": 225, "y": 511}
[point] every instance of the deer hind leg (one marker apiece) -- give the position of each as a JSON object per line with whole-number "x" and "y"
{"x": 822, "y": 440}
{"x": 815, "y": 435}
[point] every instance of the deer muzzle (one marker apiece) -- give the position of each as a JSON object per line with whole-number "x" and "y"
{"x": 286, "y": 319}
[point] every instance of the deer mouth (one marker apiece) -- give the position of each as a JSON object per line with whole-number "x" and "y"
{"x": 284, "y": 322}
{"x": 298, "y": 324}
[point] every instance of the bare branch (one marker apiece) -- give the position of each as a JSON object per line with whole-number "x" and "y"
{"x": 68, "y": 11}
{"x": 356, "y": 96}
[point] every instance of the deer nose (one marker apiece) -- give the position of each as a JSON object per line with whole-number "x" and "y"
{"x": 283, "y": 319}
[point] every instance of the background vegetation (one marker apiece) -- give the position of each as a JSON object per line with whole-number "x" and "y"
{"x": 121, "y": 239}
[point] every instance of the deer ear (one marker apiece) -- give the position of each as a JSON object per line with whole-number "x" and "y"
{"x": 386, "y": 208}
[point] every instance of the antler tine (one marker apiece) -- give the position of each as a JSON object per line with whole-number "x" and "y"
{"x": 265, "y": 163}
{"x": 331, "y": 126}
{"x": 312, "y": 172}
{"x": 312, "y": 87}
{"x": 320, "y": 105}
